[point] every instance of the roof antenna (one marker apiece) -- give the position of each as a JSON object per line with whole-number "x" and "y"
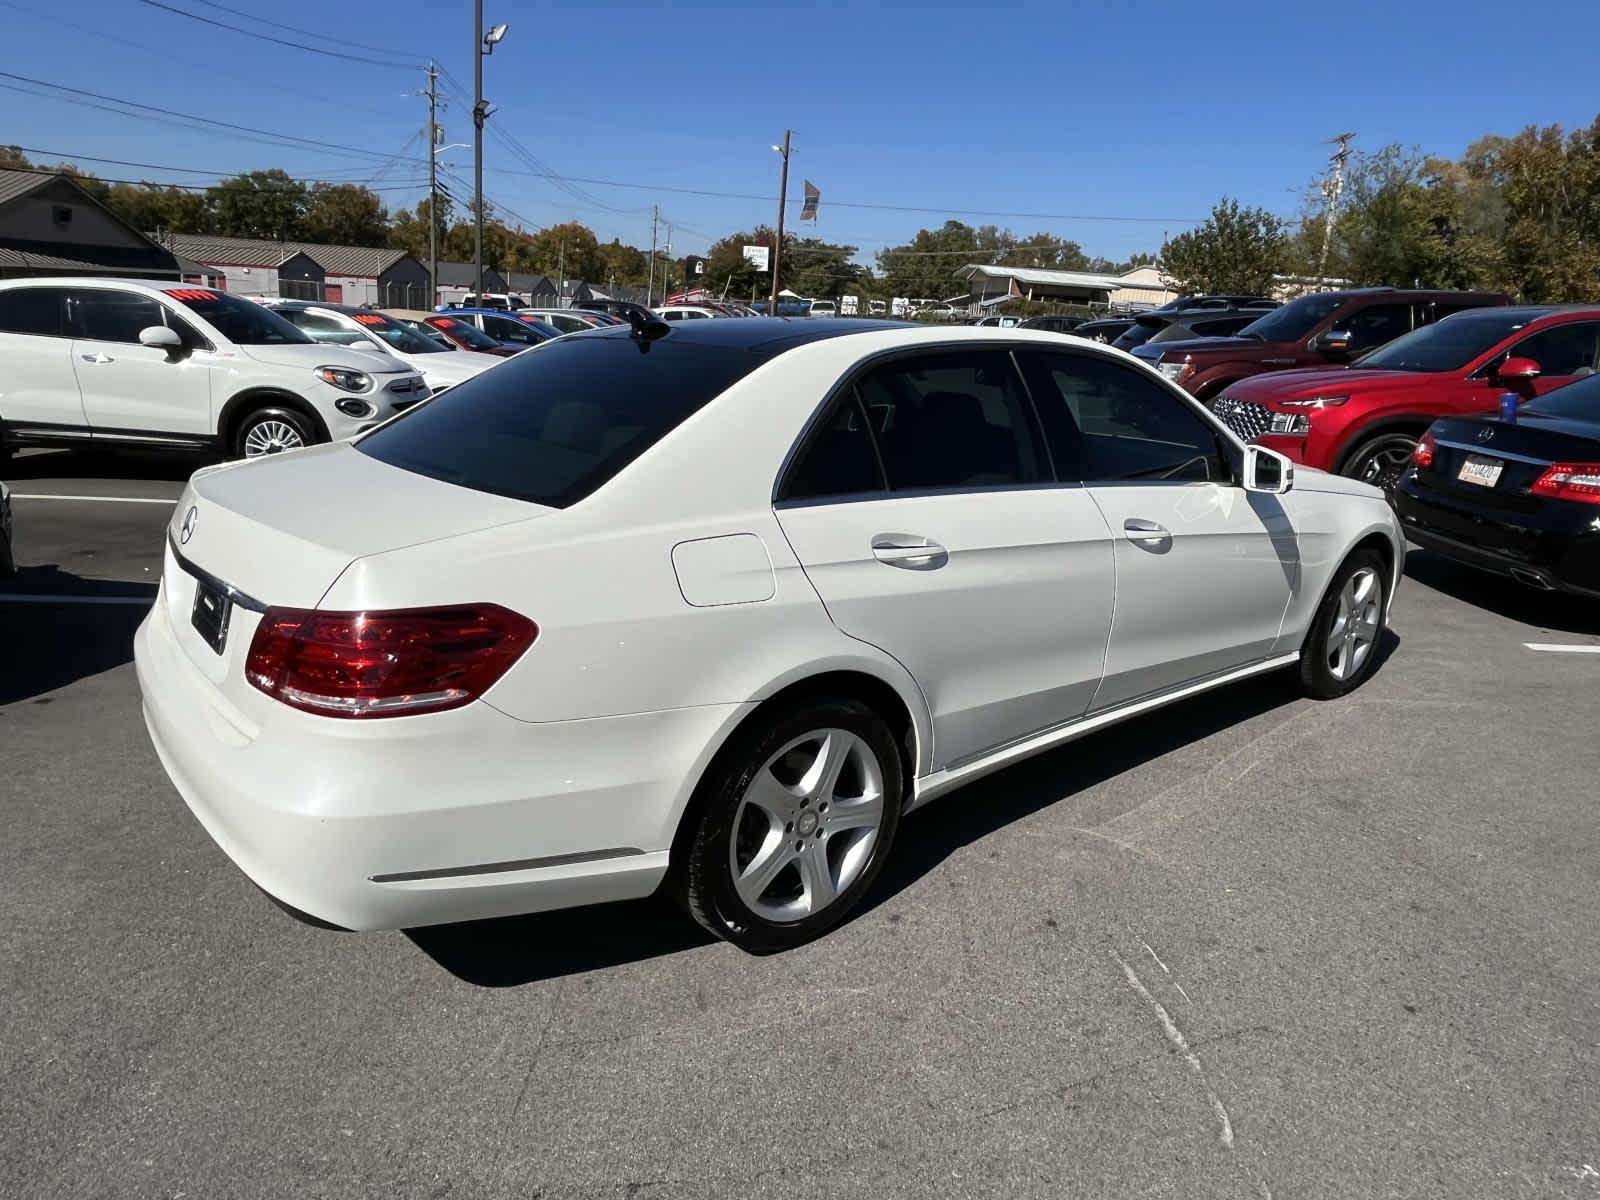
{"x": 646, "y": 325}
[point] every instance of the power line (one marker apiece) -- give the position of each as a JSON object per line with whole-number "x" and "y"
{"x": 206, "y": 187}
{"x": 289, "y": 140}
{"x": 239, "y": 12}
{"x": 69, "y": 155}
{"x": 267, "y": 37}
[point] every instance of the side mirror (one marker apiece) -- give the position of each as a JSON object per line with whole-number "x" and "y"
{"x": 1267, "y": 471}
{"x": 160, "y": 337}
{"x": 1331, "y": 341}
{"x": 1518, "y": 368}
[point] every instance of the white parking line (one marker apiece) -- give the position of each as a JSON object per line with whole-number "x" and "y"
{"x": 24, "y": 598}
{"x": 1561, "y": 648}
{"x": 102, "y": 499}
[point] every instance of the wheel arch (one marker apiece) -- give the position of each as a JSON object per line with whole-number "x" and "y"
{"x": 906, "y": 715}
{"x": 241, "y": 404}
{"x": 1356, "y": 440}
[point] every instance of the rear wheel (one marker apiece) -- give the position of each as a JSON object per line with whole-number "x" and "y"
{"x": 1341, "y": 648}
{"x": 272, "y": 431}
{"x": 1382, "y": 460}
{"x": 795, "y": 822}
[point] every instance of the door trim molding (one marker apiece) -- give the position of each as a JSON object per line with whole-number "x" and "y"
{"x": 939, "y": 782}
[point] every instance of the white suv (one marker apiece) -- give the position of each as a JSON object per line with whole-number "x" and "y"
{"x": 152, "y": 363}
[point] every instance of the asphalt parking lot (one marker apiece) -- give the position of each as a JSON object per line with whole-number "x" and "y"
{"x": 1253, "y": 946}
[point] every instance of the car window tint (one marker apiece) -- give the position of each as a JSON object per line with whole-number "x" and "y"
{"x": 1109, "y": 422}
{"x": 838, "y": 458}
{"x": 509, "y": 329}
{"x": 105, "y": 315}
{"x": 1563, "y": 350}
{"x": 552, "y": 427}
{"x": 1576, "y": 402}
{"x": 32, "y": 310}
{"x": 953, "y": 421}
{"x": 1375, "y": 325}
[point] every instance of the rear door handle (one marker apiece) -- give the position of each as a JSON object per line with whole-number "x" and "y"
{"x": 1146, "y": 533}
{"x": 97, "y": 358}
{"x": 909, "y": 551}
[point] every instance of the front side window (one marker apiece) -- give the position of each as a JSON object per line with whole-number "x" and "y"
{"x": 1563, "y": 350}
{"x": 35, "y": 310}
{"x": 509, "y": 329}
{"x": 1107, "y": 422}
{"x": 953, "y": 420}
{"x": 1376, "y": 324}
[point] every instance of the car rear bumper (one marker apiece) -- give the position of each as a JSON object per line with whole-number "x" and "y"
{"x": 448, "y": 817}
{"x": 1553, "y": 547}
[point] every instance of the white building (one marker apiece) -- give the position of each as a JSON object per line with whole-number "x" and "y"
{"x": 1142, "y": 287}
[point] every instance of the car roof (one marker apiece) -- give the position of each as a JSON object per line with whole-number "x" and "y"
{"x": 155, "y": 285}
{"x": 768, "y": 335}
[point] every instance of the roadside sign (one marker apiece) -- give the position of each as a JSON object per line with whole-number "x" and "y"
{"x": 758, "y": 257}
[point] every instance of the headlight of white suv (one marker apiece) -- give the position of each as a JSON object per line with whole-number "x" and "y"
{"x": 345, "y": 379}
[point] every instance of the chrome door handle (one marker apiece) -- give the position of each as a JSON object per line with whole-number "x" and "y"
{"x": 1146, "y": 532}
{"x": 909, "y": 551}
{"x": 97, "y": 358}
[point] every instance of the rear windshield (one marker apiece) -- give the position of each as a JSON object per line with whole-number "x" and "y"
{"x": 1576, "y": 402}
{"x": 554, "y": 423}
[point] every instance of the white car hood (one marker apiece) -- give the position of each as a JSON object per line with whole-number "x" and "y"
{"x": 453, "y": 367}
{"x": 317, "y": 354}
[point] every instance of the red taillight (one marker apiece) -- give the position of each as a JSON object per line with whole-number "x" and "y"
{"x": 384, "y": 664}
{"x": 1569, "y": 481}
{"x": 1422, "y": 456}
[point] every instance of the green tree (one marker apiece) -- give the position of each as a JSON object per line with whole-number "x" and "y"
{"x": 570, "y": 249}
{"x": 408, "y": 229}
{"x": 345, "y": 214}
{"x": 150, "y": 206}
{"x": 821, "y": 270}
{"x": 728, "y": 272}
{"x": 925, "y": 266}
{"x": 261, "y": 204}
{"x": 1236, "y": 250}
{"x": 625, "y": 265}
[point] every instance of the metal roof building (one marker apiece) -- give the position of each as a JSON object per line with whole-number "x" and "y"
{"x": 989, "y": 286}
{"x": 51, "y": 225}
{"x": 308, "y": 271}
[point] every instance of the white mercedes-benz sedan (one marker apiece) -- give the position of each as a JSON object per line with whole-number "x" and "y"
{"x": 711, "y": 605}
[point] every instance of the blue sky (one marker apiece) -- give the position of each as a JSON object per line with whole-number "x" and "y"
{"x": 1147, "y": 112}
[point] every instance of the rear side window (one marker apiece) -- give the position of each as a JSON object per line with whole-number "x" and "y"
{"x": 955, "y": 420}
{"x": 1376, "y": 324}
{"x": 838, "y": 459}
{"x": 32, "y": 310}
{"x": 552, "y": 426}
{"x": 1107, "y": 422}
{"x": 509, "y": 329}
{"x": 102, "y": 315}
{"x": 1563, "y": 350}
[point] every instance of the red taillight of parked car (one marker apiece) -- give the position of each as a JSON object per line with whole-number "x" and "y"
{"x": 1569, "y": 481}
{"x": 384, "y": 664}
{"x": 1422, "y": 455}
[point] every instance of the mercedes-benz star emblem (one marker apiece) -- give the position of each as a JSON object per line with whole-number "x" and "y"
{"x": 190, "y": 520}
{"x": 1486, "y": 433}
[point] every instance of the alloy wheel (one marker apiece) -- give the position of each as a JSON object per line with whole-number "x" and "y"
{"x": 1354, "y": 629}
{"x": 1383, "y": 465}
{"x": 271, "y": 436}
{"x": 806, "y": 825}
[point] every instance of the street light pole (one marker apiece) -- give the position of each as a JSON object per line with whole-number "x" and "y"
{"x": 483, "y": 45}
{"x": 433, "y": 184}
{"x": 777, "y": 244}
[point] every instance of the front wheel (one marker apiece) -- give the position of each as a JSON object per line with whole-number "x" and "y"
{"x": 1382, "y": 460}
{"x": 795, "y": 823}
{"x": 272, "y": 431}
{"x": 1341, "y": 647}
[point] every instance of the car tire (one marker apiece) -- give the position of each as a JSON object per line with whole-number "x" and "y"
{"x": 272, "y": 430}
{"x": 1341, "y": 647}
{"x": 1381, "y": 461}
{"x": 779, "y": 854}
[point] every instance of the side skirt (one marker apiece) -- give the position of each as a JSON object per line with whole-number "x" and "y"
{"x": 939, "y": 782}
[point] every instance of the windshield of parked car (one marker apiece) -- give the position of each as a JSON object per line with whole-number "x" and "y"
{"x": 552, "y": 425}
{"x": 1294, "y": 320}
{"x": 467, "y": 333}
{"x": 398, "y": 336}
{"x": 1576, "y": 402}
{"x": 1447, "y": 345}
{"x": 242, "y": 322}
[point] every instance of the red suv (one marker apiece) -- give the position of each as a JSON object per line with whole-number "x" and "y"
{"x": 1364, "y": 420}
{"x": 1314, "y": 331}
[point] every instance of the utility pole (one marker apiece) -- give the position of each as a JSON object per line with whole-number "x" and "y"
{"x": 650, "y": 286}
{"x": 478, "y": 115}
{"x": 1331, "y": 189}
{"x": 666, "y": 266}
{"x": 433, "y": 183}
{"x": 777, "y": 243}
{"x": 561, "y": 274}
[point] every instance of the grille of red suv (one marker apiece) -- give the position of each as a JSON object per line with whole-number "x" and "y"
{"x": 1247, "y": 420}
